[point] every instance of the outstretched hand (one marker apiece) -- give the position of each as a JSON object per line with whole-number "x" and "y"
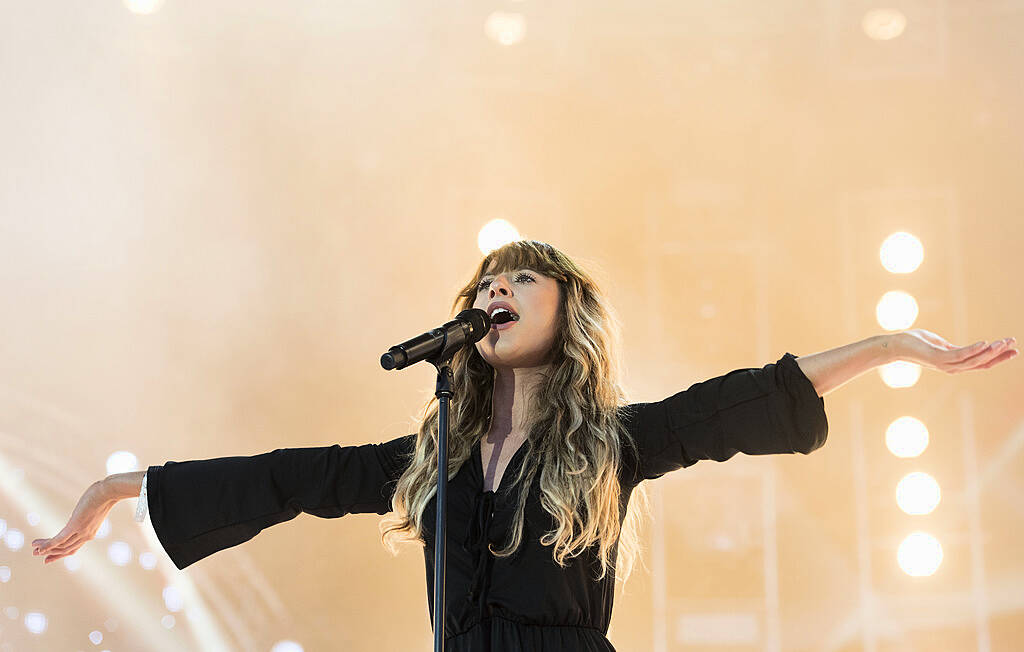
{"x": 930, "y": 350}
{"x": 85, "y": 520}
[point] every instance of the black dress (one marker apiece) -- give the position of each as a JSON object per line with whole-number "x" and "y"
{"x": 522, "y": 602}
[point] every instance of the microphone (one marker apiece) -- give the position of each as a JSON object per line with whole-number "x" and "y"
{"x": 469, "y": 326}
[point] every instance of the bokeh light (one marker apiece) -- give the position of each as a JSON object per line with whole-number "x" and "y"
{"x": 906, "y": 437}
{"x": 896, "y": 310}
{"x": 122, "y": 462}
{"x": 918, "y": 493}
{"x": 172, "y": 599}
{"x": 147, "y": 560}
{"x": 494, "y": 234}
{"x": 901, "y": 253}
{"x": 919, "y": 555}
{"x": 900, "y": 374}
{"x": 35, "y": 622}
{"x": 884, "y": 24}
{"x": 14, "y": 539}
{"x": 505, "y": 27}
{"x": 119, "y": 553}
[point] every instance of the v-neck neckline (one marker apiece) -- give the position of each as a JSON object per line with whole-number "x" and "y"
{"x": 479, "y": 462}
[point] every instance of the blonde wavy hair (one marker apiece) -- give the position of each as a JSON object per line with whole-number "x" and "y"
{"x": 576, "y": 439}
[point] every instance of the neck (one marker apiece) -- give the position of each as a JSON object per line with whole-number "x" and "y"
{"x": 513, "y": 390}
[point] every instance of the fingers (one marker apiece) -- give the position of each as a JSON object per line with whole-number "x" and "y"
{"x": 1007, "y": 354}
{"x": 967, "y": 352}
{"x": 61, "y": 555}
{"x": 66, "y": 531}
{"x": 43, "y": 546}
{"x": 64, "y": 549}
{"x": 74, "y": 541}
{"x": 986, "y": 357}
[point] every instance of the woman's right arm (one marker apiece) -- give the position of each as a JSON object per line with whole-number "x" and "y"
{"x": 199, "y": 507}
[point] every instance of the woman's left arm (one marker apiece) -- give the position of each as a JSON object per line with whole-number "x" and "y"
{"x": 831, "y": 369}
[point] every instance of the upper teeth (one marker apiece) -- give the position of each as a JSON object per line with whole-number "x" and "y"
{"x": 499, "y": 309}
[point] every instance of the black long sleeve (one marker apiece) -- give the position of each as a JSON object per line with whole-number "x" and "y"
{"x": 757, "y": 411}
{"x": 199, "y": 507}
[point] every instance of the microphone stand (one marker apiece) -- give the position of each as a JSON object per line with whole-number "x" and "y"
{"x": 443, "y": 392}
{"x": 474, "y": 324}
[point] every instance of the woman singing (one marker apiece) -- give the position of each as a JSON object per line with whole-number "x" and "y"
{"x": 544, "y": 454}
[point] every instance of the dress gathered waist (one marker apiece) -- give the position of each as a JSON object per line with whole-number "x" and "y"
{"x": 500, "y": 634}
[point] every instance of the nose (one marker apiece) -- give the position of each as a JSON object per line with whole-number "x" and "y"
{"x": 502, "y": 289}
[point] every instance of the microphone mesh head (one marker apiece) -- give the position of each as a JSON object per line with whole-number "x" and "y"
{"x": 478, "y": 320}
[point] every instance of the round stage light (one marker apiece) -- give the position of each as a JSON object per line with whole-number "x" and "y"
{"x": 494, "y": 234}
{"x": 896, "y": 310}
{"x": 906, "y": 437}
{"x": 918, "y": 493}
{"x": 920, "y": 554}
{"x": 900, "y": 374}
{"x": 901, "y": 253}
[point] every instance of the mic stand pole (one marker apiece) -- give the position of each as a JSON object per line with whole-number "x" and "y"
{"x": 443, "y": 392}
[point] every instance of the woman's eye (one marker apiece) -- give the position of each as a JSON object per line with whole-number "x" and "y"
{"x": 520, "y": 277}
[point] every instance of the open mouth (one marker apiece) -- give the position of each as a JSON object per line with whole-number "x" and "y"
{"x": 503, "y": 318}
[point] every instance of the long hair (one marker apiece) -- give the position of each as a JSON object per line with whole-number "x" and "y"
{"x": 576, "y": 438}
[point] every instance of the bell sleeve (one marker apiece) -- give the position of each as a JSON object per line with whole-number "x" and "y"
{"x": 199, "y": 507}
{"x": 757, "y": 411}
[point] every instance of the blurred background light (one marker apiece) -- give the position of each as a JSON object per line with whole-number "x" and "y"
{"x": 122, "y": 462}
{"x": 884, "y": 24}
{"x": 14, "y": 539}
{"x": 896, "y": 310}
{"x": 900, "y": 374}
{"x": 172, "y": 599}
{"x": 35, "y": 622}
{"x": 906, "y": 437}
{"x": 901, "y": 253}
{"x": 143, "y": 6}
{"x": 919, "y": 555}
{"x": 507, "y": 28}
{"x": 147, "y": 560}
{"x": 494, "y": 234}
{"x": 120, "y": 553}
{"x": 918, "y": 493}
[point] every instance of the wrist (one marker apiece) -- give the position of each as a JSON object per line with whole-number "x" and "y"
{"x": 120, "y": 486}
{"x": 889, "y": 348}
